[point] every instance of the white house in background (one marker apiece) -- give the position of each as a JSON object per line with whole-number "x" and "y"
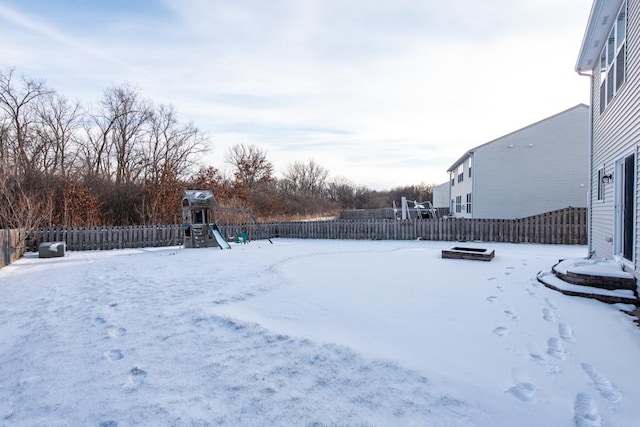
{"x": 441, "y": 196}
{"x": 610, "y": 56}
{"x": 537, "y": 169}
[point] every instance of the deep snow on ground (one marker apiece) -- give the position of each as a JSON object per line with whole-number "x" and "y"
{"x": 310, "y": 332}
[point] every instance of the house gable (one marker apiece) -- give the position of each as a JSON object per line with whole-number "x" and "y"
{"x": 539, "y": 168}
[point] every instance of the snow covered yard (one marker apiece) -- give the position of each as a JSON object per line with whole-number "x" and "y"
{"x": 310, "y": 332}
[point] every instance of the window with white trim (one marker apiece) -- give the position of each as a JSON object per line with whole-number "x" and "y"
{"x": 458, "y": 204}
{"x": 461, "y": 172}
{"x": 469, "y": 167}
{"x": 613, "y": 60}
{"x": 468, "y": 202}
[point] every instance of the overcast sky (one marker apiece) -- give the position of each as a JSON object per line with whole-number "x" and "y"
{"x": 381, "y": 92}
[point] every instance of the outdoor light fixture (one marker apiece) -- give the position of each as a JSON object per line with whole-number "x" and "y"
{"x": 607, "y": 178}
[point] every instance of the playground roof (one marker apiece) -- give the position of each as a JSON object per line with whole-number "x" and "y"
{"x": 202, "y": 198}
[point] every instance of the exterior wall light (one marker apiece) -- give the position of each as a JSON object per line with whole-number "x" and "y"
{"x": 606, "y": 179}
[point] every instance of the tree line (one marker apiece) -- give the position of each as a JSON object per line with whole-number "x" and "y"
{"x": 127, "y": 161}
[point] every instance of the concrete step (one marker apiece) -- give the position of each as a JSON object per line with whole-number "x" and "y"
{"x": 610, "y": 296}
{"x": 603, "y": 274}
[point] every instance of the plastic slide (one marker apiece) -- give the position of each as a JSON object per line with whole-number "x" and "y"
{"x": 218, "y": 236}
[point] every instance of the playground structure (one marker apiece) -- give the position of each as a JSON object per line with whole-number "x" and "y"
{"x": 199, "y": 221}
{"x": 419, "y": 210}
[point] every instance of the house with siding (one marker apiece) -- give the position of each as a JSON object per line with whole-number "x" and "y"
{"x": 441, "y": 197}
{"x": 536, "y": 169}
{"x": 610, "y": 57}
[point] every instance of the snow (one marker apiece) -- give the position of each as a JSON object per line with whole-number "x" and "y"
{"x": 604, "y": 267}
{"x": 310, "y": 332}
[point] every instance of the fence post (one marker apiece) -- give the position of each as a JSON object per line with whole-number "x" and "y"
{"x": 6, "y": 248}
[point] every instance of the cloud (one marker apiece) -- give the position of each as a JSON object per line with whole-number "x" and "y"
{"x": 386, "y": 91}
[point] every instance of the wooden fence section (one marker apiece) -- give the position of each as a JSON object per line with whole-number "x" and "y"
{"x": 566, "y": 226}
{"x": 12, "y": 245}
{"x": 381, "y": 213}
{"x": 103, "y": 238}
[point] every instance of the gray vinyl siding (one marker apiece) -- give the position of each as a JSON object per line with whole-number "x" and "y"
{"x": 546, "y": 169}
{"x": 615, "y": 132}
{"x": 463, "y": 188}
{"x": 441, "y": 195}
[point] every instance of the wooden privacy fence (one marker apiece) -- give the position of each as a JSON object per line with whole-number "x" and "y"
{"x": 566, "y": 226}
{"x": 103, "y": 238}
{"x": 12, "y": 245}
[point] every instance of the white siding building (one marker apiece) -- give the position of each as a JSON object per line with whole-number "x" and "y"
{"x": 610, "y": 56}
{"x": 441, "y": 196}
{"x": 537, "y": 169}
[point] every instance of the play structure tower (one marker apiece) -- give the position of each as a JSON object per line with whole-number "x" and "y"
{"x": 198, "y": 220}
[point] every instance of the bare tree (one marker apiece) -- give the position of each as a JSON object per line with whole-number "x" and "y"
{"x": 58, "y": 124}
{"x": 115, "y": 135}
{"x": 169, "y": 146}
{"x": 250, "y": 165}
{"x": 342, "y": 191}
{"x": 21, "y": 207}
{"x": 131, "y": 114}
{"x": 306, "y": 178}
{"x": 18, "y": 97}
{"x": 169, "y": 153}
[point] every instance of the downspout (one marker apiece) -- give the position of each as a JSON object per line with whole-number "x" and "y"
{"x": 449, "y": 194}
{"x": 472, "y": 156}
{"x": 589, "y": 182}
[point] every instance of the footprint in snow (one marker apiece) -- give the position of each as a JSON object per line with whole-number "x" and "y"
{"x": 109, "y": 423}
{"x": 511, "y": 314}
{"x": 501, "y": 331}
{"x": 113, "y": 332}
{"x": 135, "y": 379}
{"x": 531, "y": 292}
{"x": 602, "y": 383}
{"x": 566, "y": 333}
{"x": 555, "y": 348}
{"x": 492, "y": 298}
{"x": 585, "y": 411}
{"x": 551, "y": 303}
{"x": 548, "y": 315}
{"x": 492, "y": 278}
{"x": 541, "y": 360}
{"x": 115, "y": 354}
{"x": 99, "y": 320}
{"x": 525, "y": 392}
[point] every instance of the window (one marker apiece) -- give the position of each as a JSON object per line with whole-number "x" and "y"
{"x": 600, "y": 186}
{"x": 461, "y": 172}
{"x": 453, "y": 179}
{"x": 613, "y": 60}
{"x": 469, "y": 167}
{"x": 468, "y": 202}
{"x": 458, "y": 204}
